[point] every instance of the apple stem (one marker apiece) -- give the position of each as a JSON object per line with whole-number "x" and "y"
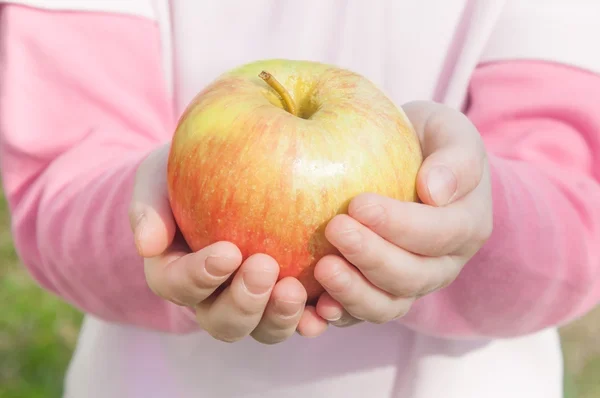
{"x": 288, "y": 102}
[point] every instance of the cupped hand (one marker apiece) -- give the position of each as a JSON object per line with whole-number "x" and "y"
{"x": 395, "y": 252}
{"x": 254, "y": 303}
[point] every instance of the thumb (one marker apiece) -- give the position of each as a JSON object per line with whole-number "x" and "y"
{"x": 453, "y": 151}
{"x": 150, "y": 213}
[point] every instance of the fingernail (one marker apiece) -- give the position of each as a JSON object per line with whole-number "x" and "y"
{"x": 441, "y": 183}
{"x": 258, "y": 282}
{"x": 214, "y": 266}
{"x": 337, "y": 282}
{"x": 336, "y": 316}
{"x": 288, "y": 308}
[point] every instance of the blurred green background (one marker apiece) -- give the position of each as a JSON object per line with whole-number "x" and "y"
{"x": 38, "y": 333}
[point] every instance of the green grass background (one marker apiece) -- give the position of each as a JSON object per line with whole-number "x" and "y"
{"x": 38, "y": 333}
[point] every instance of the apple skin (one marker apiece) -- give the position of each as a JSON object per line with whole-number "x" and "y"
{"x": 243, "y": 169}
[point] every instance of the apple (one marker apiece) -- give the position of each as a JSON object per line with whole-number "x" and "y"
{"x": 272, "y": 150}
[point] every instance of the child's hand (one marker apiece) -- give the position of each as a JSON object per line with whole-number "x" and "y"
{"x": 254, "y": 304}
{"x": 394, "y": 252}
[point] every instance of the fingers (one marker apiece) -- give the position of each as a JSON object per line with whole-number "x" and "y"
{"x": 387, "y": 266}
{"x": 150, "y": 214}
{"x": 453, "y": 150}
{"x": 283, "y": 312}
{"x": 311, "y": 324}
{"x": 189, "y": 278}
{"x": 253, "y": 304}
{"x": 455, "y": 171}
{"x": 361, "y": 299}
{"x": 418, "y": 228}
{"x": 237, "y": 311}
{"x": 334, "y": 312}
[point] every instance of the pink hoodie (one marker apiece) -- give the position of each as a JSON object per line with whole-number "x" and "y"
{"x": 85, "y": 96}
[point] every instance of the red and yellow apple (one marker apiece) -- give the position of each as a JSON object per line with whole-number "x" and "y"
{"x": 271, "y": 151}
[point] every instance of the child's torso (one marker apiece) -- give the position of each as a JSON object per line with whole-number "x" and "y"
{"x": 422, "y": 49}
{"x": 411, "y": 49}
{"x": 364, "y": 361}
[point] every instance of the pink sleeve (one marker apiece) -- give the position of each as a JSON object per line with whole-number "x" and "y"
{"x": 82, "y": 104}
{"x": 541, "y": 267}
